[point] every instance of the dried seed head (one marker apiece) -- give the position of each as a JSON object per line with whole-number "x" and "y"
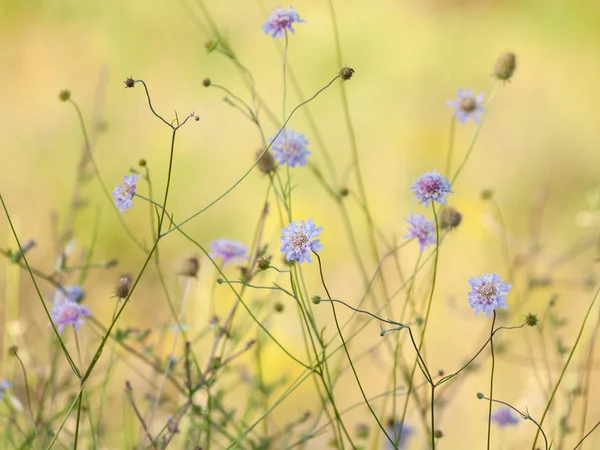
{"x": 531, "y": 320}
{"x": 129, "y": 82}
{"x": 267, "y": 163}
{"x": 505, "y": 66}
{"x": 346, "y": 72}
{"x": 122, "y": 290}
{"x": 190, "y": 268}
{"x": 450, "y": 218}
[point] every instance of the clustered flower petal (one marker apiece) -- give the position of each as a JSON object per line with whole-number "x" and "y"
{"x": 400, "y": 434}
{"x": 290, "y": 147}
{"x": 280, "y": 20}
{"x": 68, "y": 312}
{"x": 488, "y": 292}
{"x": 467, "y": 105}
{"x": 123, "y": 193}
{"x": 421, "y": 229}
{"x": 298, "y": 240}
{"x": 228, "y": 249}
{"x": 431, "y": 186}
{"x": 504, "y": 416}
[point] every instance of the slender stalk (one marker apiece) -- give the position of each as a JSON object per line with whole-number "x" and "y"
{"x": 489, "y": 425}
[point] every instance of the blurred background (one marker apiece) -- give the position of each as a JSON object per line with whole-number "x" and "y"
{"x": 538, "y": 152}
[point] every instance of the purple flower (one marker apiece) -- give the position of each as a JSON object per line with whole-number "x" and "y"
{"x": 422, "y": 229}
{"x": 123, "y": 193}
{"x": 280, "y": 20}
{"x": 227, "y": 249}
{"x": 467, "y": 105}
{"x": 504, "y": 416}
{"x": 290, "y": 146}
{"x": 68, "y": 312}
{"x": 488, "y": 292}
{"x": 431, "y": 186}
{"x": 4, "y": 386}
{"x": 400, "y": 434}
{"x": 298, "y": 240}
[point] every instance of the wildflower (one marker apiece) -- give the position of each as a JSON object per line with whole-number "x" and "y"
{"x": 227, "y": 249}
{"x": 450, "y": 218}
{"x": 129, "y": 82}
{"x": 123, "y": 193}
{"x": 422, "y": 229}
{"x": 504, "y": 416}
{"x": 488, "y": 292}
{"x": 400, "y": 434}
{"x": 346, "y": 73}
{"x": 4, "y": 386}
{"x": 298, "y": 240}
{"x": 290, "y": 147}
{"x": 531, "y": 320}
{"x": 122, "y": 289}
{"x": 281, "y": 20}
{"x": 68, "y": 312}
{"x": 505, "y": 66}
{"x": 467, "y": 105}
{"x": 431, "y": 186}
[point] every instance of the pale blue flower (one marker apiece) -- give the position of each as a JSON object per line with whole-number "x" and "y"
{"x": 68, "y": 312}
{"x": 4, "y": 386}
{"x": 123, "y": 193}
{"x": 228, "y": 249}
{"x": 400, "y": 434}
{"x": 290, "y": 146}
{"x": 431, "y": 186}
{"x": 467, "y": 105}
{"x": 421, "y": 229}
{"x": 280, "y": 20}
{"x": 504, "y": 416}
{"x": 298, "y": 240}
{"x": 488, "y": 292}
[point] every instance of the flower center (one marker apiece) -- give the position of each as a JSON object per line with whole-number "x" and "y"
{"x": 487, "y": 290}
{"x": 468, "y": 104}
{"x": 299, "y": 239}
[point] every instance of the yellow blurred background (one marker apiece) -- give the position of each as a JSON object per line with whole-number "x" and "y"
{"x": 538, "y": 151}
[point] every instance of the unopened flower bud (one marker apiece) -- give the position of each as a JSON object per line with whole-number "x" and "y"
{"x": 480, "y": 395}
{"x": 316, "y": 299}
{"x": 438, "y": 434}
{"x": 190, "y": 268}
{"x": 129, "y": 82}
{"x": 142, "y": 162}
{"x": 279, "y": 307}
{"x": 487, "y": 194}
{"x": 211, "y": 45}
{"x": 505, "y": 66}
{"x": 362, "y": 431}
{"x": 267, "y": 163}
{"x": 450, "y": 218}
{"x": 531, "y": 320}
{"x": 264, "y": 263}
{"x": 206, "y": 82}
{"x": 64, "y": 95}
{"x": 344, "y": 192}
{"x": 346, "y": 72}
{"x": 13, "y": 350}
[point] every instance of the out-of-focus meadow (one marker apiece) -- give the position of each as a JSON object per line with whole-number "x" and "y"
{"x": 538, "y": 151}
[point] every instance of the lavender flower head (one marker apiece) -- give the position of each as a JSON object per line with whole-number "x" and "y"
{"x": 227, "y": 249}
{"x": 504, "y": 416}
{"x": 123, "y": 193}
{"x": 467, "y": 105}
{"x": 4, "y": 386}
{"x": 298, "y": 240}
{"x": 488, "y": 292}
{"x": 431, "y": 186}
{"x": 400, "y": 434}
{"x": 290, "y": 146}
{"x": 280, "y": 20}
{"x": 66, "y": 311}
{"x": 421, "y": 229}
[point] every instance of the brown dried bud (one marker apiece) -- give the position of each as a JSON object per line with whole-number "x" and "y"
{"x": 190, "y": 268}
{"x": 531, "y": 320}
{"x": 450, "y": 218}
{"x": 266, "y": 163}
{"x": 122, "y": 290}
{"x": 505, "y": 66}
{"x": 129, "y": 82}
{"x": 346, "y": 73}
